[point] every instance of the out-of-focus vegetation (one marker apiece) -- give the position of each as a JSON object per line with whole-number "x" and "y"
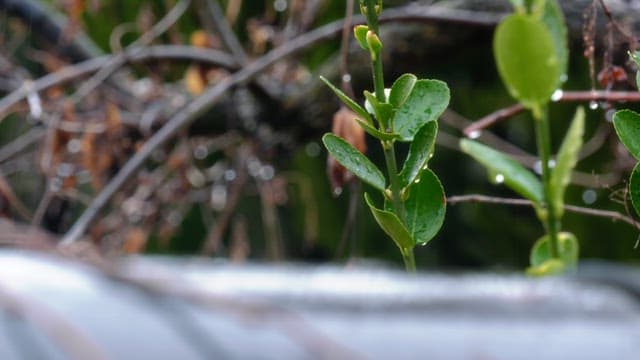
{"x": 248, "y": 178}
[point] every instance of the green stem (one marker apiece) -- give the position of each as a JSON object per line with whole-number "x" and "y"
{"x": 552, "y": 222}
{"x": 409, "y": 260}
{"x": 392, "y": 170}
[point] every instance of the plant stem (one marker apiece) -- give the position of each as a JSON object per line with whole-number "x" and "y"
{"x": 552, "y": 223}
{"x": 409, "y": 260}
{"x": 392, "y": 169}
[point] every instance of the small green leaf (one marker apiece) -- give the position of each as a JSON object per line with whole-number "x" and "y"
{"x": 377, "y": 133}
{"x": 374, "y": 44}
{"x": 359, "y": 110}
{"x": 427, "y": 101}
{"x": 354, "y": 161}
{"x": 547, "y": 268}
{"x": 627, "y": 124}
{"x": 635, "y": 56}
{"x": 391, "y": 225}
{"x": 527, "y": 59}
{"x": 425, "y": 208}
{"x": 567, "y": 250}
{"x": 566, "y": 160}
{"x": 553, "y": 18}
{"x": 360, "y": 33}
{"x": 420, "y": 152}
{"x": 383, "y": 111}
{"x": 516, "y": 176}
{"x": 634, "y": 188}
{"x": 401, "y": 89}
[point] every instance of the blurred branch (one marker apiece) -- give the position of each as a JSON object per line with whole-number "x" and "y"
{"x": 613, "y": 215}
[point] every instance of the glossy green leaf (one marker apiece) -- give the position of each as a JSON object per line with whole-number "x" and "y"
{"x": 420, "y": 151}
{"x": 425, "y": 208}
{"x": 382, "y": 111}
{"x": 634, "y": 188}
{"x": 354, "y": 161}
{"x": 627, "y": 124}
{"x": 566, "y": 160}
{"x": 401, "y": 89}
{"x": 359, "y": 110}
{"x": 391, "y": 224}
{"x": 527, "y": 60}
{"x": 377, "y": 133}
{"x": 360, "y": 33}
{"x": 553, "y": 18}
{"x": 427, "y": 101}
{"x": 516, "y": 176}
{"x": 567, "y": 250}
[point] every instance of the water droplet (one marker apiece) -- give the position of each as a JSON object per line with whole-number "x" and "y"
{"x": 593, "y": 105}
{"x": 589, "y": 196}
{"x": 425, "y": 167}
{"x": 312, "y": 149}
{"x": 74, "y": 146}
{"x": 254, "y": 166}
{"x": 266, "y": 172}
{"x": 346, "y": 78}
{"x": 218, "y": 197}
{"x": 499, "y": 179}
{"x": 65, "y": 170}
{"x": 552, "y": 163}
{"x": 230, "y": 175}
{"x": 557, "y": 95}
{"x": 474, "y": 134}
{"x": 280, "y": 5}
{"x": 55, "y": 184}
{"x": 564, "y": 78}
{"x": 200, "y": 152}
{"x": 609, "y": 115}
{"x": 337, "y": 191}
{"x": 416, "y": 181}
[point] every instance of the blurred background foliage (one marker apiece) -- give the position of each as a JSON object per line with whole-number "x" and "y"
{"x": 288, "y": 200}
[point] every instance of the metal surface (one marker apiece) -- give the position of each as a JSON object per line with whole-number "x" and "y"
{"x": 161, "y": 308}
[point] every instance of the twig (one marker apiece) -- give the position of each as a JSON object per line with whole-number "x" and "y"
{"x": 120, "y": 59}
{"x": 71, "y": 72}
{"x": 567, "y": 96}
{"x": 345, "y": 78}
{"x": 25, "y": 140}
{"x": 224, "y": 30}
{"x": 613, "y": 215}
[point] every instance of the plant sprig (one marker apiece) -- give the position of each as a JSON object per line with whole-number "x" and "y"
{"x": 414, "y": 200}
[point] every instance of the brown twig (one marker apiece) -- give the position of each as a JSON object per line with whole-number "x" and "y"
{"x": 567, "y": 96}
{"x": 613, "y": 215}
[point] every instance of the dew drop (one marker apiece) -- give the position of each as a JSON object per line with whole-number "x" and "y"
{"x": 200, "y": 152}
{"x": 499, "y": 179}
{"x": 589, "y": 196}
{"x": 537, "y": 167}
{"x": 564, "y": 78}
{"x": 229, "y": 175}
{"x": 337, "y": 191}
{"x": 552, "y": 163}
{"x": 417, "y": 181}
{"x": 557, "y": 95}
{"x": 593, "y": 105}
{"x": 280, "y": 5}
{"x": 474, "y": 134}
{"x": 346, "y": 78}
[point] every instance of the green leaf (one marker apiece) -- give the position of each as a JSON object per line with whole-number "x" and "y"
{"x": 553, "y": 18}
{"x": 427, "y": 101}
{"x": 377, "y": 133}
{"x": 360, "y": 33}
{"x": 359, "y": 110}
{"x": 391, "y": 225}
{"x": 516, "y": 176}
{"x": 420, "y": 152}
{"x": 566, "y": 160}
{"x": 567, "y": 250}
{"x": 383, "y": 111}
{"x": 401, "y": 89}
{"x": 354, "y": 161}
{"x": 425, "y": 208}
{"x": 527, "y": 59}
{"x": 547, "y": 268}
{"x": 634, "y": 188}
{"x": 627, "y": 124}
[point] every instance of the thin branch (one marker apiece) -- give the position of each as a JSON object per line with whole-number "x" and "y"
{"x": 120, "y": 59}
{"x": 224, "y": 30}
{"x": 567, "y": 96}
{"x": 71, "y": 72}
{"x": 612, "y": 215}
